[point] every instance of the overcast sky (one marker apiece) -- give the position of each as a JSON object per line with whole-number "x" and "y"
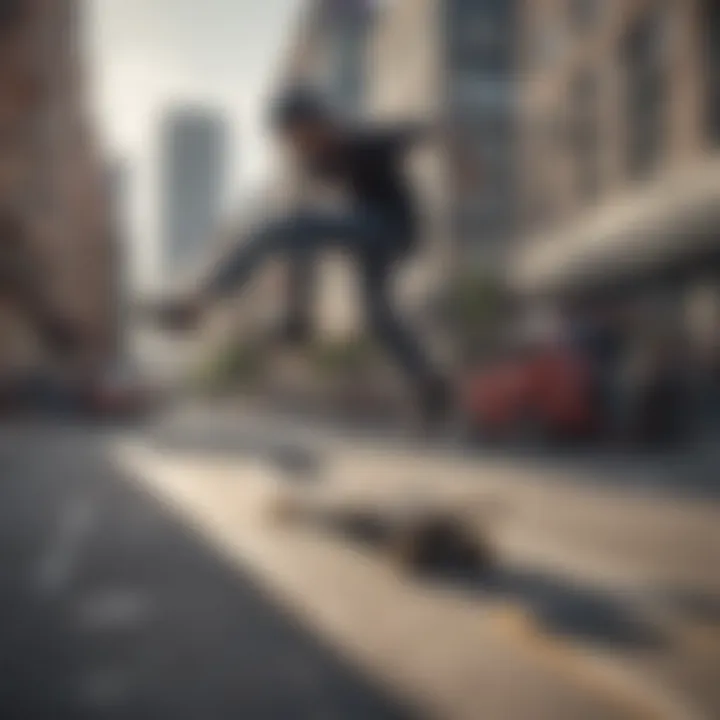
{"x": 148, "y": 54}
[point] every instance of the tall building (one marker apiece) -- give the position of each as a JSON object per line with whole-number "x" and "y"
{"x": 453, "y": 64}
{"x": 117, "y": 178}
{"x": 51, "y": 173}
{"x": 340, "y": 35}
{"x": 482, "y": 87}
{"x": 620, "y": 149}
{"x": 193, "y": 167}
{"x": 583, "y": 158}
{"x": 329, "y": 50}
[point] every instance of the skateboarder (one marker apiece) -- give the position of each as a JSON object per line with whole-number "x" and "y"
{"x": 377, "y": 231}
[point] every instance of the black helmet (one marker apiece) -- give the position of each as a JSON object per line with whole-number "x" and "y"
{"x": 298, "y": 105}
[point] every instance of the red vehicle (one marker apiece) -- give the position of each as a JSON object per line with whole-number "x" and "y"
{"x": 536, "y": 393}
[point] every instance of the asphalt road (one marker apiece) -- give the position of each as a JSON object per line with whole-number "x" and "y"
{"x": 112, "y": 608}
{"x": 138, "y": 582}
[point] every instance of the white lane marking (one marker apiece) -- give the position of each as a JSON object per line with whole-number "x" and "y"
{"x": 115, "y": 609}
{"x": 76, "y": 522}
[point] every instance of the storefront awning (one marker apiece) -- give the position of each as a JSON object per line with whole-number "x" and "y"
{"x": 639, "y": 233}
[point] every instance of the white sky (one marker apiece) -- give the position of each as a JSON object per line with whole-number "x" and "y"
{"x": 147, "y": 54}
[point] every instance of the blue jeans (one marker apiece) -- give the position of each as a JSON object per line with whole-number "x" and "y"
{"x": 374, "y": 245}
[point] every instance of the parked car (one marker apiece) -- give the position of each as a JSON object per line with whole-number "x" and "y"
{"x": 120, "y": 394}
{"x": 535, "y": 392}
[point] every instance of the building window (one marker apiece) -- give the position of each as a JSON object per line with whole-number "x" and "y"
{"x": 480, "y": 35}
{"x": 584, "y": 133}
{"x": 549, "y": 44}
{"x": 646, "y": 93}
{"x": 585, "y": 14}
{"x": 711, "y": 51}
{"x": 475, "y": 93}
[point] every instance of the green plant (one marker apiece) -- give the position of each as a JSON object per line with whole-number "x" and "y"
{"x": 474, "y": 299}
{"x": 475, "y": 306}
{"x": 345, "y": 356}
{"x": 238, "y": 363}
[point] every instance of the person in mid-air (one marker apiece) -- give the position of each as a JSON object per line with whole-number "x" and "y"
{"x": 377, "y": 230}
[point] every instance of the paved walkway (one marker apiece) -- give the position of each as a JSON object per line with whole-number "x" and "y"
{"x": 588, "y": 616}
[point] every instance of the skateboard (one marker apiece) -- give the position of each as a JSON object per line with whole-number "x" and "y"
{"x": 418, "y": 535}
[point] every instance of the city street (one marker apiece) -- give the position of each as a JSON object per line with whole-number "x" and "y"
{"x": 290, "y": 234}
{"x": 144, "y": 577}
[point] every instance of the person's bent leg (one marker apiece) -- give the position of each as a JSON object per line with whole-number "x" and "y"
{"x": 300, "y": 235}
{"x": 234, "y": 271}
{"x": 301, "y": 274}
{"x": 401, "y": 343}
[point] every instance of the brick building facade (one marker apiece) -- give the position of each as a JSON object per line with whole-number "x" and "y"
{"x": 52, "y": 177}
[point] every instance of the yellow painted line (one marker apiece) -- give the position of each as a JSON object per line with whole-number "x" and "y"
{"x": 634, "y": 696}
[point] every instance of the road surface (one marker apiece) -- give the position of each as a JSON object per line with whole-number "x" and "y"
{"x": 112, "y": 608}
{"x": 146, "y": 580}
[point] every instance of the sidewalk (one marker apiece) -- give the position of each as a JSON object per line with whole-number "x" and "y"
{"x": 631, "y": 511}
{"x": 569, "y": 550}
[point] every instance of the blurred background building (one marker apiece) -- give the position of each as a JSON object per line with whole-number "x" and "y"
{"x": 118, "y": 179}
{"x": 329, "y": 50}
{"x": 619, "y": 161}
{"x": 461, "y": 79}
{"x": 52, "y": 189}
{"x": 482, "y": 84}
{"x": 193, "y": 157}
{"x": 453, "y": 67}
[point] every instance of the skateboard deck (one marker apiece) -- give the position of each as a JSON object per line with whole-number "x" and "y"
{"x": 417, "y": 534}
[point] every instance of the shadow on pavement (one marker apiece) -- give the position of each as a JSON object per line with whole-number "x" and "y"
{"x": 563, "y": 607}
{"x": 699, "y": 607}
{"x": 560, "y": 605}
{"x": 112, "y": 608}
